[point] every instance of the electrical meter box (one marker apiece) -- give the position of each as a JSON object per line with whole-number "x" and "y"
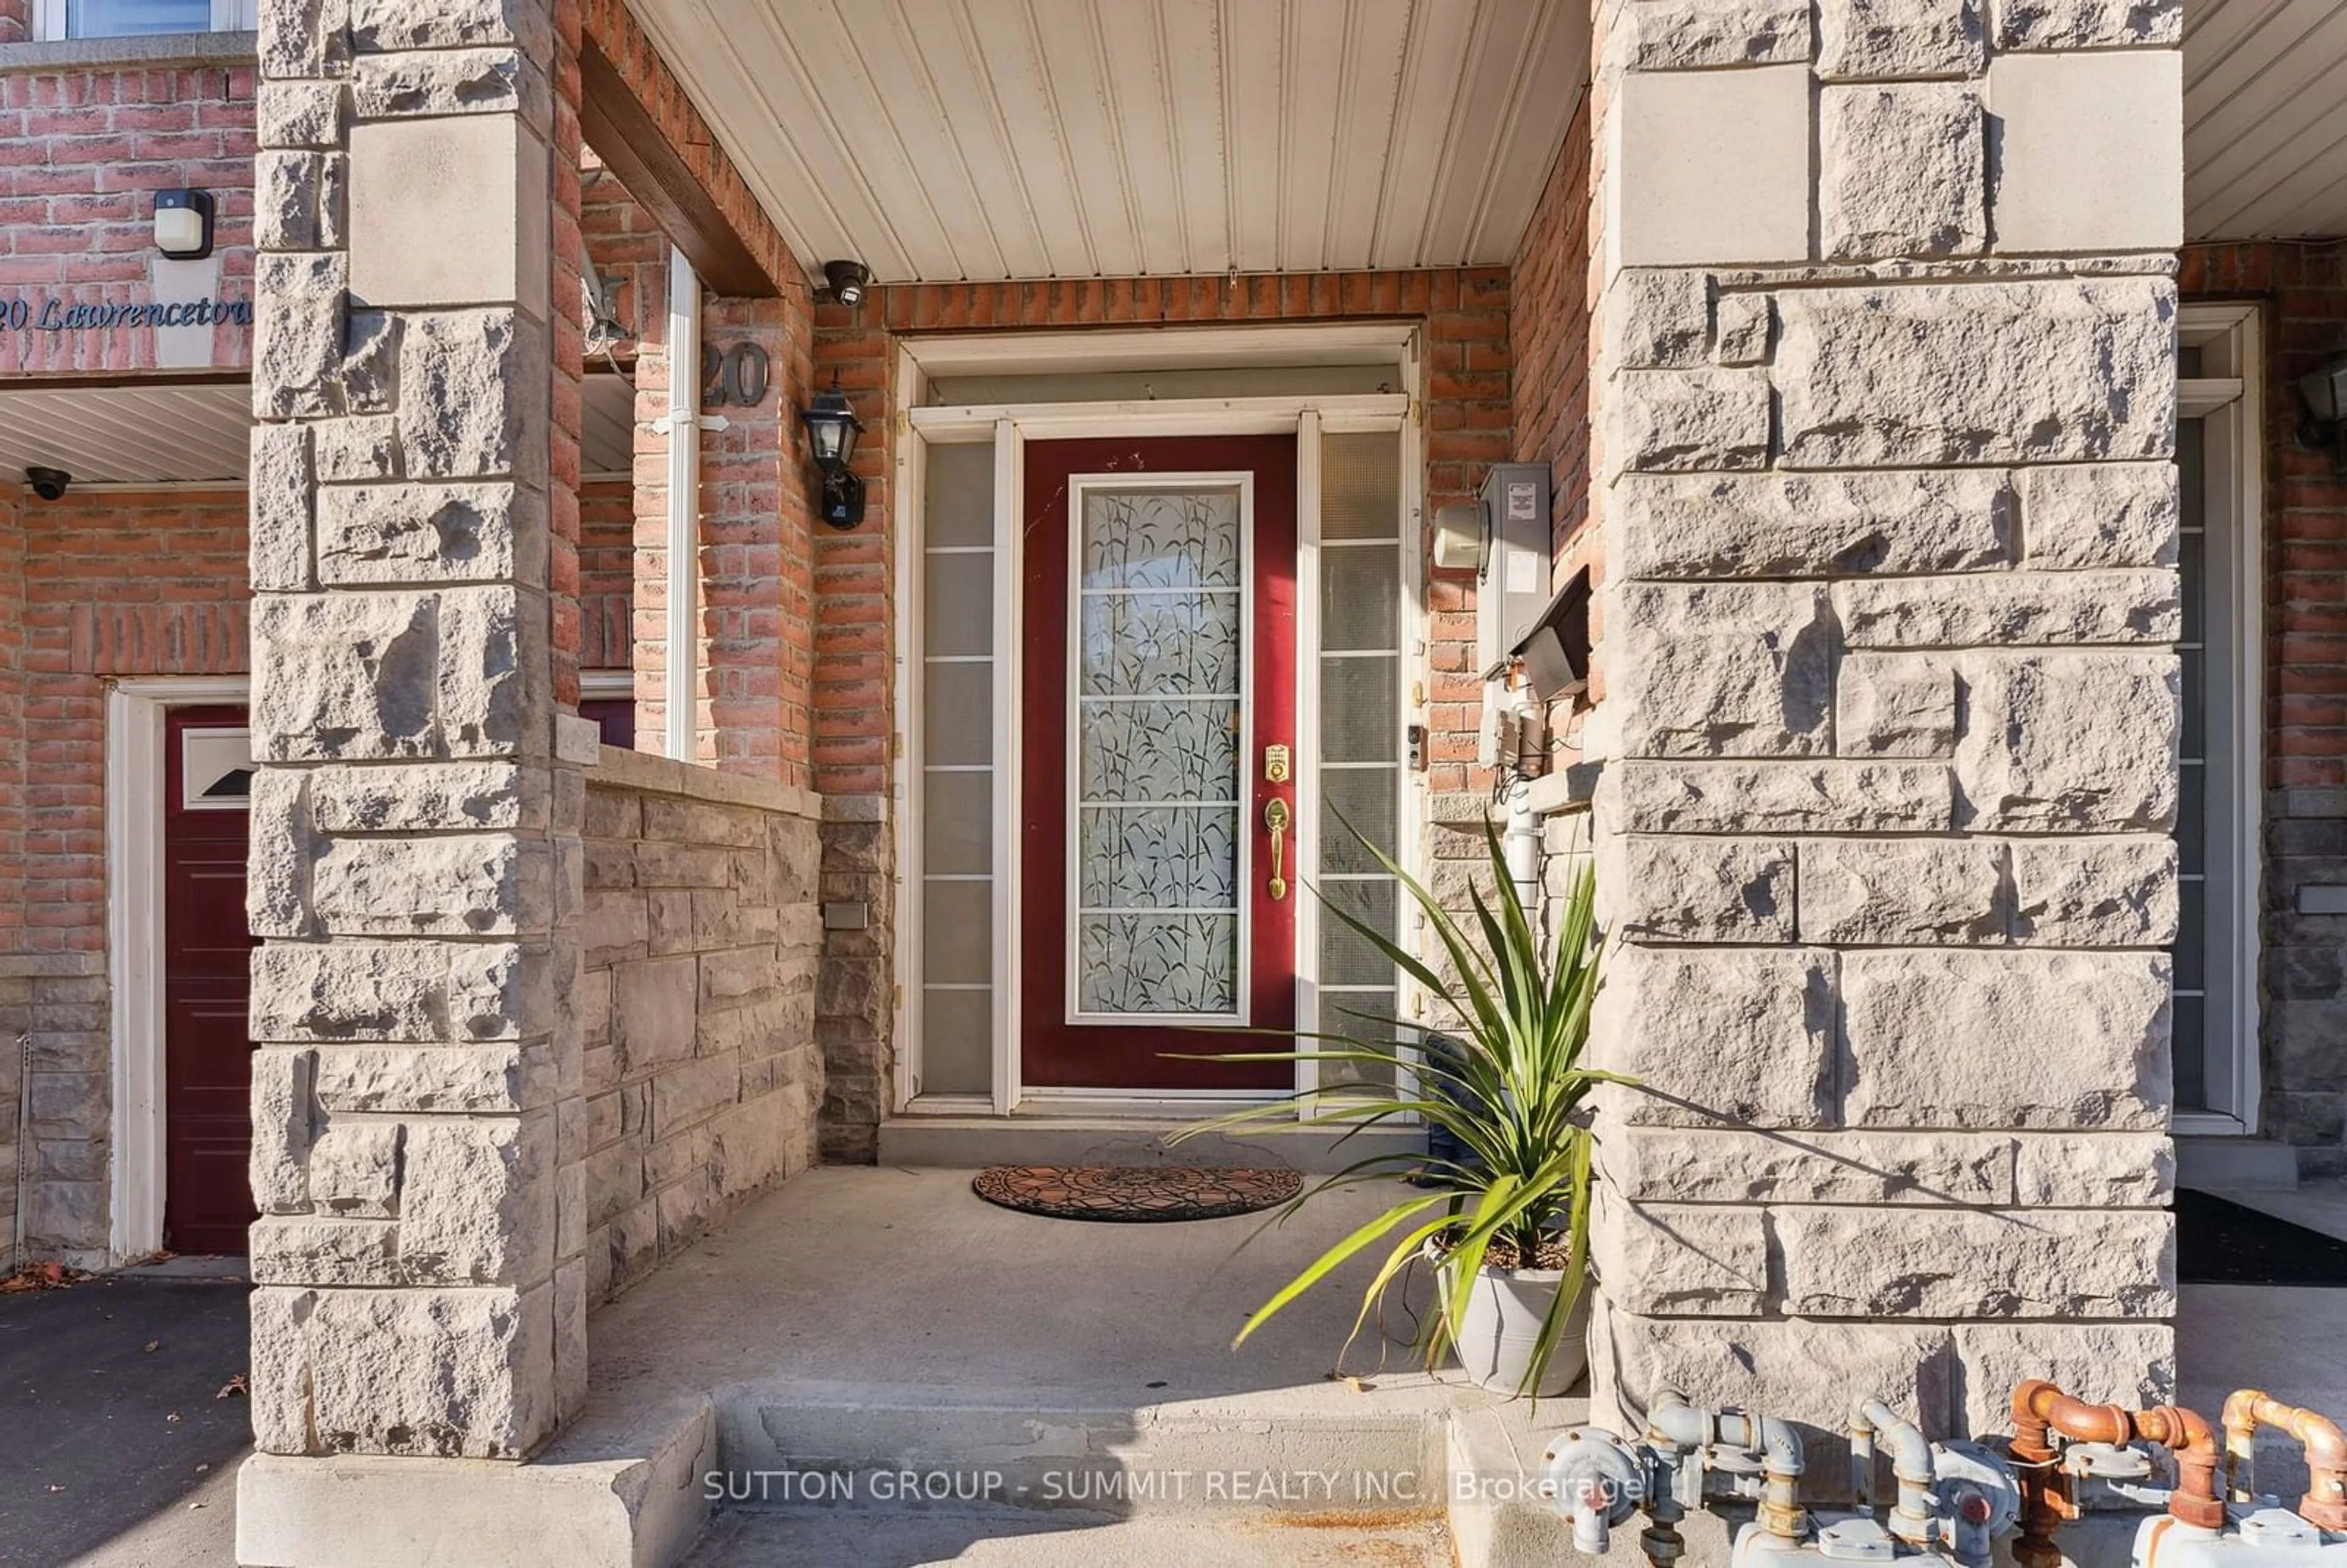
{"x": 1513, "y": 591}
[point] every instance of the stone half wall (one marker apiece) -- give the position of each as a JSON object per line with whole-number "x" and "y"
{"x": 1883, "y": 456}
{"x": 702, "y": 937}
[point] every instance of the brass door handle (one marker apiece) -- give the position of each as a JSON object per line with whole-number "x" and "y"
{"x": 1277, "y": 818}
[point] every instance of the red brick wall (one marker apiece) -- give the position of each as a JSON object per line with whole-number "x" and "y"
{"x": 15, "y": 21}
{"x": 627, "y": 248}
{"x": 2302, "y": 290}
{"x": 757, "y": 581}
{"x": 1549, "y": 336}
{"x": 151, "y": 583}
{"x": 1467, "y": 419}
{"x": 607, "y": 573}
{"x": 615, "y": 32}
{"x": 79, "y": 152}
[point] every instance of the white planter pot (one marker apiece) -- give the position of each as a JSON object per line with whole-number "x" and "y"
{"x": 1505, "y": 1309}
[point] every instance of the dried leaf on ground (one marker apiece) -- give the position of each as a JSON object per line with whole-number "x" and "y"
{"x": 42, "y": 1276}
{"x": 235, "y": 1386}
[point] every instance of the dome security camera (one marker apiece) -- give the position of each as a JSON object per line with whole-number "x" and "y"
{"x": 49, "y": 484}
{"x": 845, "y": 281}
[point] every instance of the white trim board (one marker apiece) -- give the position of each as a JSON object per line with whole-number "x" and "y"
{"x": 134, "y": 940}
{"x": 1161, "y": 348}
{"x": 1270, "y": 416}
{"x": 2229, "y": 399}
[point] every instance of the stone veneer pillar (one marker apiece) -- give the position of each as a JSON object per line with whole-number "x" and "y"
{"x": 416, "y": 867}
{"x": 1886, "y": 376}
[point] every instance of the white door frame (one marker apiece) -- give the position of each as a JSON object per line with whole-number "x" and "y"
{"x": 135, "y": 714}
{"x": 1009, "y": 426}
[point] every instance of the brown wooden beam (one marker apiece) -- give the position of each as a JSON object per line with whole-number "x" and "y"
{"x": 632, "y": 145}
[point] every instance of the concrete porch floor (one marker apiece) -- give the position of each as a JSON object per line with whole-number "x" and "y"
{"x": 860, "y": 1313}
{"x": 864, "y": 1275}
{"x": 899, "y": 1287}
{"x": 860, "y": 1318}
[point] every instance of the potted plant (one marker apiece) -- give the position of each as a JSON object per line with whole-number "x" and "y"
{"x": 1501, "y": 1205}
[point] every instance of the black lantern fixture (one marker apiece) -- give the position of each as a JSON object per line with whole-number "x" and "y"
{"x": 832, "y": 429}
{"x": 2322, "y": 418}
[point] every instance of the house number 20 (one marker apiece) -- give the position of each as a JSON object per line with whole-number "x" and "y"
{"x": 735, "y": 377}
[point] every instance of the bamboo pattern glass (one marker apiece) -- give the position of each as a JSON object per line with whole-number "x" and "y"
{"x": 1159, "y": 681}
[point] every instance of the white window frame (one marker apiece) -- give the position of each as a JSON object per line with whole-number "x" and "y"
{"x": 228, "y": 16}
{"x": 1009, "y": 426}
{"x": 2231, "y": 404}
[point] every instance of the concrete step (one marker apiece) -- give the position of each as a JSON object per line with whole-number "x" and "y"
{"x": 2210, "y": 1164}
{"x": 843, "y": 1540}
{"x": 970, "y": 1142}
{"x": 796, "y": 1446}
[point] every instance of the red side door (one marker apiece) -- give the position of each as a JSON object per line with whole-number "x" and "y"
{"x": 207, "y": 982}
{"x": 1158, "y": 698}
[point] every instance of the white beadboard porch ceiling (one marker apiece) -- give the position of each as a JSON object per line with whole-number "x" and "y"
{"x": 938, "y": 140}
{"x": 197, "y": 433}
{"x": 2265, "y": 119}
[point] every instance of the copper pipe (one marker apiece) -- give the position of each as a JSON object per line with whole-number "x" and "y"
{"x": 2041, "y": 1409}
{"x": 2324, "y": 1506}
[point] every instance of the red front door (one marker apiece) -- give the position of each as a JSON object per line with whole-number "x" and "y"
{"x": 207, "y": 982}
{"x": 1158, "y": 705}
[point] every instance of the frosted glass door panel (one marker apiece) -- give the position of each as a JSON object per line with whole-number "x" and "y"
{"x": 1160, "y": 705}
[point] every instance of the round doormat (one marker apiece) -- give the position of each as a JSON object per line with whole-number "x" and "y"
{"x": 1134, "y": 1194}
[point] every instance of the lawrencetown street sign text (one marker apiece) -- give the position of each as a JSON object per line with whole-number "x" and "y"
{"x": 47, "y": 314}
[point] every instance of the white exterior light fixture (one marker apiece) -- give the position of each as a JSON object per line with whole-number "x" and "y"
{"x": 183, "y": 225}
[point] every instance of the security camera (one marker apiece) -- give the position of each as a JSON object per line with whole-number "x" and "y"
{"x": 49, "y": 484}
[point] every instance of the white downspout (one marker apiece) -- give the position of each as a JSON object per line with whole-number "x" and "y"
{"x": 684, "y": 677}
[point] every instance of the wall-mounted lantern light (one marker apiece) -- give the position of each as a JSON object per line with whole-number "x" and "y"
{"x": 2323, "y": 394}
{"x": 183, "y": 225}
{"x": 845, "y": 281}
{"x": 832, "y": 429}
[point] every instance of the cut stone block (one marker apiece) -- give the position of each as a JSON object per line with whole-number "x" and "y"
{"x": 1892, "y": 892}
{"x": 2068, "y": 743}
{"x": 2017, "y": 1038}
{"x": 2091, "y": 156}
{"x": 1902, "y": 170}
{"x": 1671, "y": 421}
{"x": 1709, "y": 168}
{"x": 1891, "y": 39}
{"x": 2056, "y": 371}
{"x": 2096, "y": 892}
{"x": 1702, "y": 890}
{"x": 1781, "y": 525}
{"x": 1895, "y": 705}
{"x": 2022, "y": 609}
{"x": 1681, "y": 35}
{"x": 1722, "y": 670}
{"x": 1740, "y": 1034}
{"x": 1767, "y": 797}
{"x": 2080, "y": 516}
